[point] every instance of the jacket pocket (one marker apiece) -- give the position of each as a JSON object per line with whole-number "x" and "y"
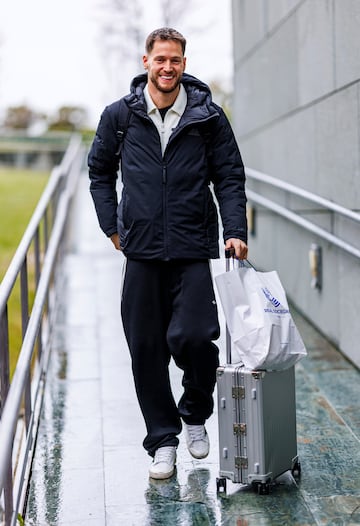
{"x": 124, "y": 235}
{"x": 124, "y": 222}
{"x": 211, "y": 220}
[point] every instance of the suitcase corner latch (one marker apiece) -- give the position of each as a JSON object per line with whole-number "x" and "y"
{"x": 241, "y": 462}
{"x": 238, "y": 392}
{"x": 258, "y": 375}
{"x": 239, "y": 429}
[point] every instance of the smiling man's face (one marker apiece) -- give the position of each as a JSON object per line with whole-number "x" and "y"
{"x": 165, "y": 65}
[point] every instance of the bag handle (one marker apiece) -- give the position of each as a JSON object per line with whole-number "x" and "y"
{"x": 230, "y": 253}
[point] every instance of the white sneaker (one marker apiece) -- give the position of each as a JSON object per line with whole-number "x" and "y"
{"x": 197, "y": 441}
{"x": 163, "y": 464}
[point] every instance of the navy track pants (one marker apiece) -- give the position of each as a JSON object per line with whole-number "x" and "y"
{"x": 169, "y": 310}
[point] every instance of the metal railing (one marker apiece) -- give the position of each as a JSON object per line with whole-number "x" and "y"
{"x": 297, "y": 217}
{"x": 21, "y": 396}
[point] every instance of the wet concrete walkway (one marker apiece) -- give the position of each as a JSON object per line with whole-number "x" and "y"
{"x": 90, "y": 467}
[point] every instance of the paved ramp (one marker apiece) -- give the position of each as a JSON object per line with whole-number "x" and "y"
{"x": 90, "y": 467}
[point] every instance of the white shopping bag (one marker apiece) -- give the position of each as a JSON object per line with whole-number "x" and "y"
{"x": 258, "y": 319}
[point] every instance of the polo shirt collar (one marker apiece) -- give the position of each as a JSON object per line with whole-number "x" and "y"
{"x": 178, "y": 106}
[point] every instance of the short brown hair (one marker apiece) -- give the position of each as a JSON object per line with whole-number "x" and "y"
{"x": 164, "y": 33}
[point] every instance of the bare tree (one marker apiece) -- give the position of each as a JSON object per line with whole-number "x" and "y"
{"x": 124, "y": 25}
{"x": 122, "y": 34}
{"x": 174, "y": 14}
{"x": 121, "y": 39}
{"x": 172, "y": 11}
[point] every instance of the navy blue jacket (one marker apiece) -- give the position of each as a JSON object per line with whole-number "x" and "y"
{"x": 167, "y": 210}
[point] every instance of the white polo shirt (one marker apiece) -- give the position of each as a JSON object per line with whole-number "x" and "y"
{"x": 172, "y": 116}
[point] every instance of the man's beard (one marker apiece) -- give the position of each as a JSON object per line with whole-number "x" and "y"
{"x": 161, "y": 88}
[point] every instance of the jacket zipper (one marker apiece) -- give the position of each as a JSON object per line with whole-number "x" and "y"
{"x": 164, "y": 186}
{"x": 165, "y": 218}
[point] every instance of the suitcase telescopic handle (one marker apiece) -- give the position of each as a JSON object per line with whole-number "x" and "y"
{"x": 229, "y": 253}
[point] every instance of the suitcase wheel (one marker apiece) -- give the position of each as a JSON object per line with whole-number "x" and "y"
{"x": 296, "y": 470}
{"x": 263, "y": 488}
{"x": 221, "y": 485}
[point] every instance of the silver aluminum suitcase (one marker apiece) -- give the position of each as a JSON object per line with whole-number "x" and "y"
{"x": 257, "y": 424}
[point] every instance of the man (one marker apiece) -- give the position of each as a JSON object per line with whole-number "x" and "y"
{"x": 176, "y": 143}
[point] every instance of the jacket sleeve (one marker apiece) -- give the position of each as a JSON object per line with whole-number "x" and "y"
{"x": 103, "y": 163}
{"x": 228, "y": 177}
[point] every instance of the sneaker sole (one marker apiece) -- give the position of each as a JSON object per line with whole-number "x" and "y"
{"x": 198, "y": 457}
{"x": 161, "y": 476}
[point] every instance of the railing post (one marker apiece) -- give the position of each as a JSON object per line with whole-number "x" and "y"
{"x": 46, "y": 228}
{"x": 4, "y": 388}
{"x": 24, "y": 291}
{"x": 4, "y": 357}
{"x": 37, "y": 257}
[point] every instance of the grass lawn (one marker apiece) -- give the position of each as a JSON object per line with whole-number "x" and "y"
{"x": 20, "y": 191}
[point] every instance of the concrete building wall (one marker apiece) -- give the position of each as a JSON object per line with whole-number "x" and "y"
{"x": 296, "y": 115}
